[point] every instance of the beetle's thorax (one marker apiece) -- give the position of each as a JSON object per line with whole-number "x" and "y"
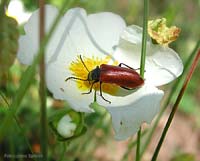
{"x": 94, "y": 75}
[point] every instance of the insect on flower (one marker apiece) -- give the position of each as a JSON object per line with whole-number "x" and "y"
{"x": 125, "y": 77}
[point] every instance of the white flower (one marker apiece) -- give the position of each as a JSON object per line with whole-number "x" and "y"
{"x": 94, "y": 37}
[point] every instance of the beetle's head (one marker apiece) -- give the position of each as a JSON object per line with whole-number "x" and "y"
{"x": 94, "y": 74}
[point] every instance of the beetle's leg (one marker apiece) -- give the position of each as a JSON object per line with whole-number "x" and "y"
{"x": 133, "y": 89}
{"x": 127, "y": 66}
{"x": 127, "y": 88}
{"x": 91, "y": 87}
{"x": 102, "y": 94}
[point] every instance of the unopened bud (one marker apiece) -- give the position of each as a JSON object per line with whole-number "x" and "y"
{"x": 66, "y": 127}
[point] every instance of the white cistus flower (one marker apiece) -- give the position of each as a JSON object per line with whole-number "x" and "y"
{"x": 101, "y": 38}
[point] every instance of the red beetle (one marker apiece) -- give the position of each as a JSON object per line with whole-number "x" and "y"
{"x": 125, "y": 77}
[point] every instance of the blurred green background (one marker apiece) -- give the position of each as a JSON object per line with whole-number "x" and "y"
{"x": 98, "y": 143}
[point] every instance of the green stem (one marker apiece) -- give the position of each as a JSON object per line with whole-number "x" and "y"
{"x": 131, "y": 145}
{"x": 144, "y": 38}
{"x": 170, "y": 96}
{"x": 138, "y": 145}
{"x": 175, "y": 107}
{"x": 95, "y": 96}
{"x": 63, "y": 152}
{"x": 42, "y": 90}
{"x": 142, "y": 63}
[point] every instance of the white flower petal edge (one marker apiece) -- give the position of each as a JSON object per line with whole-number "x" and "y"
{"x": 163, "y": 66}
{"x": 137, "y": 108}
{"x": 29, "y": 43}
{"x": 133, "y": 34}
{"x": 162, "y": 63}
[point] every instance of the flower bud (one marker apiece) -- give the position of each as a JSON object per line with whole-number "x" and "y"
{"x": 67, "y": 124}
{"x": 66, "y": 127}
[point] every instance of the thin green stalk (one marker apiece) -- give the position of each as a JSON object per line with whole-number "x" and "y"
{"x": 175, "y": 107}
{"x": 138, "y": 145}
{"x": 28, "y": 75}
{"x": 64, "y": 150}
{"x": 131, "y": 145}
{"x": 142, "y": 63}
{"x": 18, "y": 125}
{"x": 170, "y": 96}
{"x": 144, "y": 38}
{"x": 42, "y": 90}
{"x": 95, "y": 96}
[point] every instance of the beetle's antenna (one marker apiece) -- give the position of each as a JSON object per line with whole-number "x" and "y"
{"x": 84, "y": 64}
{"x": 75, "y": 79}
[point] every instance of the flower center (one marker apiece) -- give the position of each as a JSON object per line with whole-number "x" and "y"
{"x": 81, "y": 68}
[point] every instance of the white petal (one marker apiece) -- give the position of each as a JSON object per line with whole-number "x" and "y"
{"x": 26, "y": 50}
{"x": 106, "y": 28}
{"x": 55, "y": 78}
{"x": 163, "y": 66}
{"x": 128, "y": 54}
{"x": 87, "y": 35}
{"x": 132, "y": 34}
{"x": 29, "y": 43}
{"x": 128, "y": 50}
{"x": 129, "y": 112}
{"x": 32, "y": 26}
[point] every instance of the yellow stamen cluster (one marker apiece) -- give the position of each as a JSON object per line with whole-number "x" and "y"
{"x": 78, "y": 70}
{"x": 162, "y": 34}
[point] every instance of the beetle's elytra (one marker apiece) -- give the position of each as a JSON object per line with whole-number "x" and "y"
{"x": 125, "y": 77}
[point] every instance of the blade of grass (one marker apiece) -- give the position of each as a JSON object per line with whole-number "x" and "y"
{"x": 142, "y": 63}
{"x": 170, "y": 96}
{"x": 175, "y": 107}
{"x": 144, "y": 38}
{"x": 42, "y": 90}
